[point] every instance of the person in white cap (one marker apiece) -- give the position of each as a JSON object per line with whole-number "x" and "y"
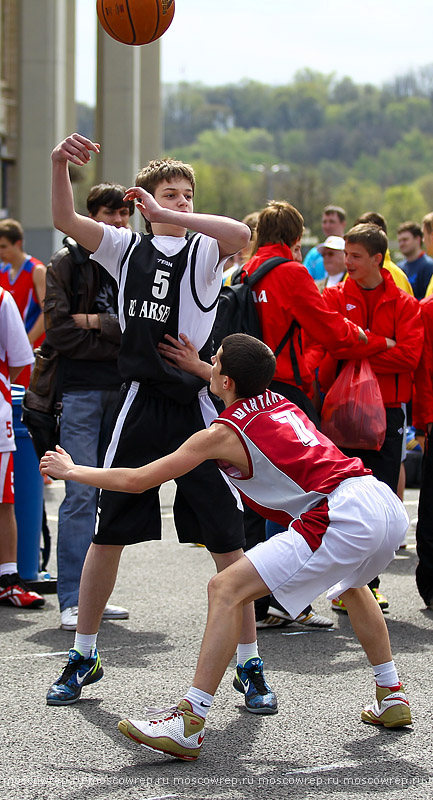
{"x": 332, "y": 250}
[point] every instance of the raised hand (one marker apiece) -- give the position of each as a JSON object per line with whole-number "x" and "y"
{"x": 75, "y": 148}
{"x": 146, "y": 204}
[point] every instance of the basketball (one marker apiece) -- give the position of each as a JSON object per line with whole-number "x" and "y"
{"x": 135, "y": 21}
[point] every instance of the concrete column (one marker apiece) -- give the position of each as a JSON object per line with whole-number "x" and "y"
{"x": 46, "y": 112}
{"x": 128, "y": 109}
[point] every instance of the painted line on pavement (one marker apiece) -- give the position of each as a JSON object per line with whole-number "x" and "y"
{"x": 310, "y": 630}
{"x": 161, "y": 797}
{"x": 322, "y": 768}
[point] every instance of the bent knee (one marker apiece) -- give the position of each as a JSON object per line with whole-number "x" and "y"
{"x": 220, "y": 592}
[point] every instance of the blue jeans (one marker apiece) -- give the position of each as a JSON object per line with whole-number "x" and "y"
{"x": 84, "y": 433}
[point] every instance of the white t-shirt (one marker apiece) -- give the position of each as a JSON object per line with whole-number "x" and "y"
{"x": 15, "y": 351}
{"x": 208, "y": 276}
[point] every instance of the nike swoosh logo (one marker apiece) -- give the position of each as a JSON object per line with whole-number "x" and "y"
{"x": 81, "y": 679}
{"x": 205, "y": 705}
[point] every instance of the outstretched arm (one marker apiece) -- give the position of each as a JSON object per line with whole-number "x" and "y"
{"x": 193, "y": 452}
{"x": 85, "y": 231}
{"x": 231, "y": 235}
{"x": 216, "y": 442}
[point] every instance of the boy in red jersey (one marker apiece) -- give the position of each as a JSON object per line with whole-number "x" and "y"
{"x": 284, "y": 467}
{"x": 24, "y": 277}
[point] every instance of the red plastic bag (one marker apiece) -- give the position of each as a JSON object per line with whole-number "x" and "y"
{"x": 353, "y": 414}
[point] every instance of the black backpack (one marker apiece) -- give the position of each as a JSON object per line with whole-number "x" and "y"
{"x": 236, "y": 312}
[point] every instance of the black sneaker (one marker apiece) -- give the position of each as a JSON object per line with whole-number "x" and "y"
{"x": 250, "y": 681}
{"x": 15, "y": 591}
{"x": 79, "y": 672}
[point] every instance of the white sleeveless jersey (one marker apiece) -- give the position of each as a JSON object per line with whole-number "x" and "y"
{"x": 15, "y": 351}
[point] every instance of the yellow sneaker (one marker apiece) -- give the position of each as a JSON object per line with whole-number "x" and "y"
{"x": 390, "y": 709}
{"x": 338, "y": 605}
{"x": 175, "y": 731}
{"x": 381, "y": 599}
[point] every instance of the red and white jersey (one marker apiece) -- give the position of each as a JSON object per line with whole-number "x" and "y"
{"x": 292, "y": 466}
{"x": 23, "y": 291}
{"x": 15, "y": 351}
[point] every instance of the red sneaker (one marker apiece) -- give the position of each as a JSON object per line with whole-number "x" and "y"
{"x": 13, "y": 590}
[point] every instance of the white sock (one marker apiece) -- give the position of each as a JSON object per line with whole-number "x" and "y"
{"x": 85, "y": 643}
{"x": 386, "y": 674}
{"x": 200, "y": 701}
{"x": 247, "y": 651}
{"x": 9, "y": 568}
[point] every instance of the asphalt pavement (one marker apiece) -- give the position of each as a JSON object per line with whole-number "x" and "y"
{"x": 315, "y": 747}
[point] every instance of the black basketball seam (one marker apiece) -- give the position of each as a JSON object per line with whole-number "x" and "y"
{"x": 132, "y": 24}
{"x": 115, "y": 36}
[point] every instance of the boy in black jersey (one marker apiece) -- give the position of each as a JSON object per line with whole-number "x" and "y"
{"x": 167, "y": 284}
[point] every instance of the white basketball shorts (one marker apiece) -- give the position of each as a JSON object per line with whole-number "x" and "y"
{"x": 367, "y": 524}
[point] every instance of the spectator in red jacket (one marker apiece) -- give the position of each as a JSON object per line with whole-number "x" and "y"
{"x": 423, "y": 419}
{"x": 392, "y": 320}
{"x": 292, "y": 312}
{"x": 288, "y": 300}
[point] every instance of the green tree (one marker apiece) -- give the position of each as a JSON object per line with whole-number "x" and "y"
{"x": 401, "y": 203}
{"x": 236, "y": 147}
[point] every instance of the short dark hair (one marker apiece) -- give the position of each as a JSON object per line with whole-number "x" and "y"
{"x": 411, "y": 227}
{"x": 279, "y": 223}
{"x": 12, "y": 230}
{"x": 374, "y": 218}
{"x": 340, "y": 212}
{"x": 373, "y": 238}
{"x": 110, "y": 195}
{"x": 248, "y": 362}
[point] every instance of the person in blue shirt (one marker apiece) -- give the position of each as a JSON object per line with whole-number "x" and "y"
{"x": 416, "y": 264}
{"x": 333, "y": 224}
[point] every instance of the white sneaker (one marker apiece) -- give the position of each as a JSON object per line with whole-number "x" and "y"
{"x": 271, "y": 621}
{"x": 309, "y": 618}
{"x": 69, "y": 616}
{"x": 175, "y": 731}
{"x": 314, "y": 620}
{"x": 115, "y": 612}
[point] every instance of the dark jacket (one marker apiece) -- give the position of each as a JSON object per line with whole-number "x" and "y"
{"x": 62, "y": 334}
{"x": 89, "y": 356}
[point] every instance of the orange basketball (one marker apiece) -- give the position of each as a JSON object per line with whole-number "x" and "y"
{"x": 135, "y": 21}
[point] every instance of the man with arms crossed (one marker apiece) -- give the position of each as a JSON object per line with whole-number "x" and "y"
{"x": 343, "y": 528}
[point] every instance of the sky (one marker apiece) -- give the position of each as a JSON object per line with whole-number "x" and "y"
{"x": 225, "y": 41}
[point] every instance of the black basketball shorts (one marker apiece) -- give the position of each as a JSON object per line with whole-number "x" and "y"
{"x": 205, "y": 509}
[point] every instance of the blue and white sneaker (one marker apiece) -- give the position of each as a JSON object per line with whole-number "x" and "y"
{"x": 79, "y": 672}
{"x": 250, "y": 681}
